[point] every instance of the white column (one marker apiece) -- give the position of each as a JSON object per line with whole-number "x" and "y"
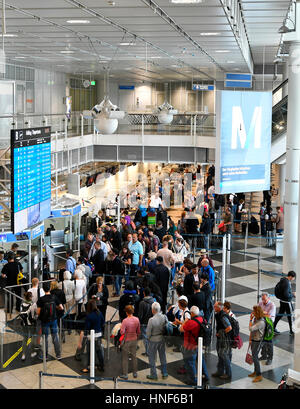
{"x": 285, "y": 73}
{"x": 282, "y": 173}
{"x": 297, "y": 311}
{"x": 292, "y": 163}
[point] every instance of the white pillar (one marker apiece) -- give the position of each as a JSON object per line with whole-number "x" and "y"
{"x": 297, "y": 310}
{"x": 282, "y": 173}
{"x": 285, "y": 73}
{"x": 292, "y": 163}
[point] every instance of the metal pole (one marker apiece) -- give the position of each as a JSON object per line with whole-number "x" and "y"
{"x": 108, "y": 339}
{"x": 228, "y": 248}
{"x": 5, "y": 306}
{"x": 2, "y": 342}
{"x": 223, "y": 269}
{"x": 44, "y": 354}
{"x": 29, "y": 260}
{"x": 60, "y": 333}
{"x": 92, "y": 356}
{"x": 40, "y": 380}
{"x": 259, "y": 278}
{"x": 199, "y": 366}
{"x": 115, "y": 383}
{"x": 246, "y": 235}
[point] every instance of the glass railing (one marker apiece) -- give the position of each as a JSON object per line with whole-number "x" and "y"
{"x": 280, "y": 107}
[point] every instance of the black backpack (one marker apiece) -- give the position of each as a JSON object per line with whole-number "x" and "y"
{"x": 236, "y": 341}
{"x": 278, "y": 290}
{"x": 48, "y": 313}
{"x": 205, "y": 331}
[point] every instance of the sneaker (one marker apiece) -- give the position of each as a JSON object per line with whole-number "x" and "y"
{"x": 257, "y": 379}
{"x": 252, "y": 375}
{"x": 276, "y": 331}
{"x": 33, "y": 354}
{"x": 164, "y": 376}
{"x": 58, "y": 357}
{"x": 152, "y": 377}
{"x": 134, "y": 374}
{"x": 23, "y": 357}
{"x": 145, "y": 354}
{"x": 269, "y": 362}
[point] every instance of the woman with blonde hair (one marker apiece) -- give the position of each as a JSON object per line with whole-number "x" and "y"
{"x": 257, "y": 327}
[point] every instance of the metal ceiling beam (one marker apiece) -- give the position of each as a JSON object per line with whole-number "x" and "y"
{"x": 160, "y": 12}
{"x": 100, "y": 42}
{"x": 125, "y": 30}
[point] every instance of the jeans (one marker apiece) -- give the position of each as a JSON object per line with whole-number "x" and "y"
{"x": 205, "y": 241}
{"x": 144, "y": 337}
{"x": 263, "y": 227}
{"x": 267, "y": 350}
{"x": 52, "y": 325}
{"x": 255, "y": 348}
{"x": 98, "y": 350}
{"x": 133, "y": 270}
{"x": 153, "y": 348}
{"x": 118, "y": 284}
{"x": 224, "y": 358}
{"x": 189, "y": 358}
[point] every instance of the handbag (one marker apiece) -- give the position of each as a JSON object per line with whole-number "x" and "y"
{"x": 249, "y": 359}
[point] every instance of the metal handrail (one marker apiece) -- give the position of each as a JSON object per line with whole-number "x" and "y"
{"x": 280, "y": 86}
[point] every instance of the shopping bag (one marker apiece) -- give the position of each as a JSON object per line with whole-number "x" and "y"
{"x": 249, "y": 358}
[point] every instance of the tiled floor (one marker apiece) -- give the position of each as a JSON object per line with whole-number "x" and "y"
{"x": 241, "y": 291}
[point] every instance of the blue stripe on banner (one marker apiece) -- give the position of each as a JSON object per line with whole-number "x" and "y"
{"x": 238, "y": 84}
{"x": 242, "y": 77}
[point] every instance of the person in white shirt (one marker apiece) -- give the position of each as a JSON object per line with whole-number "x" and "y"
{"x": 36, "y": 291}
{"x": 155, "y": 201}
{"x": 80, "y": 289}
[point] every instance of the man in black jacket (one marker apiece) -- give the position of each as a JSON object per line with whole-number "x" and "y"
{"x": 208, "y": 303}
{"x": 117, "y": 269}
{"x": 160, "y": 231}
{"x": 116, "y": 238}
{"x": 162, "y": 277}
{"x": 98, "y": 259}
{"x": 10, "y": 272}
{"x": 285, "y": 296}
{"x": 190, "y": 279}
{"x": 145, "y": 313}
{"x": 198, "y": 298}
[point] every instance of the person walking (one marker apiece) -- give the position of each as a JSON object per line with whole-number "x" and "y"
{"x": 144, "y": 314}
{"x": 131, "y": 330}
{"x": 156, "y": 342}
{"x": 257, "y": 329}
{"x": 283, "y": 291}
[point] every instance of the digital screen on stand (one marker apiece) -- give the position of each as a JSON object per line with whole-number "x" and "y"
{"x": 30, "y": 177}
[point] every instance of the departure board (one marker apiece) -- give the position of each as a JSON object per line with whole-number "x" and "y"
{"x": 30, "y": 177}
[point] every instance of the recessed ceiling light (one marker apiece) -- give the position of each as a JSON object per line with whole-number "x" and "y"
{"x": 8, "y": 35}
{"x": 222, "y": 51}
{"x": 67, "y": 52}
{"x": 155, "y": 56}
{"x": 209, "y": 34}
{"x": 78, "y": 21}
{"x": 127, "y": 44}
{"x": 60, "y": 65}
{"x": 19, "y": 57}
{"x": 230, "y": 62}
{"x": 186, "y": 1}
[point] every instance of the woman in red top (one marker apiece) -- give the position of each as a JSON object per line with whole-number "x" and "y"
{"x": 131, "y": 330}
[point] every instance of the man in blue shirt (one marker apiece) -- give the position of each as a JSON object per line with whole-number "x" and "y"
{"x": 71, "y": 262}
{"x": 136, "y": 249}
{"x": 206, "y": 268}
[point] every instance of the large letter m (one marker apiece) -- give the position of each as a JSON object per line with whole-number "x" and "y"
{"x": 239, "y": 130}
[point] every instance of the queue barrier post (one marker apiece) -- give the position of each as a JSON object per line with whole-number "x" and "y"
{"x": 223, "y": 269}
{"x": 108, "y": 339}
{"x": 199, "y": 366}
{"x": 92, "y": 356}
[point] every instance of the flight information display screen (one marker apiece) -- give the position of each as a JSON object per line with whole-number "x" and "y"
{"x": 30, "y": 176}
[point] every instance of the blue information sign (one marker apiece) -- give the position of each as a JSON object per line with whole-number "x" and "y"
{"x": 31, "y": 176}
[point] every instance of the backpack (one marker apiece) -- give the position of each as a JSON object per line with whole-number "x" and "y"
{"x": 278, "y": 290}
{"x": 168, "y": 328}
{"x": 27, "y": 319}
{"x": 269, "y": 329}
{"x": 236, "y": 340}
{"x": 205, "y": 331}
{"x": 48, "y": 311}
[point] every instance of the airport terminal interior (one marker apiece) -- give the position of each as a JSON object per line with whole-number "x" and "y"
{"x": 149, "y": 173}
